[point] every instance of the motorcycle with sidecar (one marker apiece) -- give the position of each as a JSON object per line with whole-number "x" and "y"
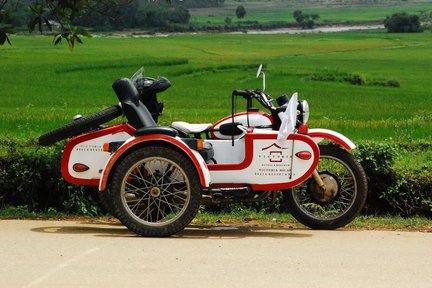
{"x": 154, "y": 178}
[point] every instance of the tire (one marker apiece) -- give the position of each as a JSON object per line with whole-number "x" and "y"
{"x": 81, "y": 125}
{"x": 346, "y": 182}
{"x": 155, "y": 191}
{"x": 105, "y": 202}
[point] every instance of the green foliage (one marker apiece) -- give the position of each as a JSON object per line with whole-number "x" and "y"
{"x": 351, "y": 78}
{"x": 30, "y": 177}
{"x": 305, "y": 20}
{"x": 402, "y": 23}
{"x": 240, "y": 12}
{"x": 405, "y": 192}
{"x": 6, "y": 26}
{"x": 410, "y": 193}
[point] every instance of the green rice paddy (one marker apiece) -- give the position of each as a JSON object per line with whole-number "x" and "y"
{"x": 43, "y": 86}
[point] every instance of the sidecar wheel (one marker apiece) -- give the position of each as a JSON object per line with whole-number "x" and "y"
{"x": 155, "y": 191}
{"x": 344, "y": 198}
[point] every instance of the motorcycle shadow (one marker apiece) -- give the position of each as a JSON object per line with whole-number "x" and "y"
{"x": 190, "y": 232}
{"x": 238, "y": 232}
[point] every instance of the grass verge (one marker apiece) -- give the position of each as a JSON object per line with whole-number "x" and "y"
{"x": 276, "y": 220}
{"x": 245, "y": 219}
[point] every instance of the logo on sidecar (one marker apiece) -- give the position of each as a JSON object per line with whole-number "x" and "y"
{"x": 273, "y": 153}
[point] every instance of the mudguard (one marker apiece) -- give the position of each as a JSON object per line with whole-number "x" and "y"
{"x": 86, "y": 150}
{"x": 175, "y": 142}
{"x": 319, "y": 135}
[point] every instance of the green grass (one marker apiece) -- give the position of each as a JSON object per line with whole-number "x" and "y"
{"x": 43, "y": 86}
{"x": 22, "y": 212}
{"x": 277, "y": 220}
{"x": 246, "y": 218}
{"x": 334, "y": 12}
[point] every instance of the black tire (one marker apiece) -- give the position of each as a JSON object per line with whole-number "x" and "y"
{"x": 105, "y": 202}
{"x": 81, "y": 125}
{"x": 155, "y": 191}
{"x": 347, "y": 179}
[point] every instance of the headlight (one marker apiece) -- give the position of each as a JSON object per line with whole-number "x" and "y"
{"x": 303, "y": 108}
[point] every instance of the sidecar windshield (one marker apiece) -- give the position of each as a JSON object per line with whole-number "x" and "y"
{"x": 138, "y": 74}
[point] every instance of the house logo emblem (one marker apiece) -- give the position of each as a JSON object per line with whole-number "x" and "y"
{"x": 273, "y": 153}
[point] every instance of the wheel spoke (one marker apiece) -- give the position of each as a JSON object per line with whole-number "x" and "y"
{"x": 158, "y": 190}
{"x": 340, "y": 203}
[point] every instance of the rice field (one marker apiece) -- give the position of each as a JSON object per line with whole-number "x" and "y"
{"x": 329, "y": 11}
{"x": 43, "y": 86}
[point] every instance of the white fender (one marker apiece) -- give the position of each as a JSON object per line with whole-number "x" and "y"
{"x": 319, "y": 134}
{"x": 196, "y": 158}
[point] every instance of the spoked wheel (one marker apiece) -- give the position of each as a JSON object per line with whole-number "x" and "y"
{"x": 155, "y": 191}
{"x": 343, "y": 197}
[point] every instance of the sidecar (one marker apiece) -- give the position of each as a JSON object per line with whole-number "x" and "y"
{"x": 150, "y": 179}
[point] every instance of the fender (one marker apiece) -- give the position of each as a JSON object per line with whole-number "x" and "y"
{"x": 194, "y": 156}
{"x": 320, "y": 134}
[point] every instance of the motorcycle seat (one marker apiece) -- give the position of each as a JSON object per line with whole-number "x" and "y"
{"x": 188, "y": 128}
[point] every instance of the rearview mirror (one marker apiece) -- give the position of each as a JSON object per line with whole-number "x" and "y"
{"x": 259, "y": 72}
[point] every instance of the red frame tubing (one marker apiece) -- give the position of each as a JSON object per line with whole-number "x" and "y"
{"x": 148, "y": 139}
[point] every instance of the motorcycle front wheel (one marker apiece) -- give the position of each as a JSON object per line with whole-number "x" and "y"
{"x": 341, "y": 201}
{"x": 155, "y": 191}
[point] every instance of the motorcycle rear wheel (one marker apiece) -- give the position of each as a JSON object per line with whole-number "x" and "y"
{"x": 81, "y": 125}
{"x": 346, "y": 180}
{"x": 155, "y": 191}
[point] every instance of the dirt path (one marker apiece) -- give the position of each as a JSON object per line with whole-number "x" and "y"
{"x": 85, "y": 254}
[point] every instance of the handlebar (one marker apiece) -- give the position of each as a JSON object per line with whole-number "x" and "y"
{"x": 263, "y": 98}
{"x": 243, "y": 93}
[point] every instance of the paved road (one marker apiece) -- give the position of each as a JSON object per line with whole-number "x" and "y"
{"x": 83, "y": 254}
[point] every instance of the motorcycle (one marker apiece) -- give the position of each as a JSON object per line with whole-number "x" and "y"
{"x": 154, "y": 178}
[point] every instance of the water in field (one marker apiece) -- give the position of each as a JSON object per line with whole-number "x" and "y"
{"x": 316, "y": 30}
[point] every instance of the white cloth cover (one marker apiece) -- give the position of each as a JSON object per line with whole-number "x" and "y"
{"x": 289, "y": 118}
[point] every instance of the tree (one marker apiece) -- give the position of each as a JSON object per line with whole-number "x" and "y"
{"x": 240, "y": 12}
{"x": 402, "y": 23}
{"x": 66, "y": 13}
{"x": 6, "y": 26}
{"x": 305, "y": 20}
{"x": 298, "y": 16}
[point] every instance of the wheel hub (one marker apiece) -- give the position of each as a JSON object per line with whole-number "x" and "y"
{"x": 155, "y": 192}
{"x": 330, "y": 191}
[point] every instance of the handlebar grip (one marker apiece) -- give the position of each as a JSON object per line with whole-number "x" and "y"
{"x": 243, "y": 93}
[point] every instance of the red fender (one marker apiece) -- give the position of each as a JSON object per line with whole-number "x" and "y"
{"x": 319, "y": 134}
{"x": 195, "y": 157}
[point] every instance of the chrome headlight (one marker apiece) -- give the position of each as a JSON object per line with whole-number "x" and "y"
{"x": 303, "y": 108}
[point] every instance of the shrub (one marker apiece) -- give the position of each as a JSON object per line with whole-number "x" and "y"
{"x": 30, "y": 177}
{"x": 395, "y": 191}
{"x": 402, "y": 23}
{"x": 354, "y": 79}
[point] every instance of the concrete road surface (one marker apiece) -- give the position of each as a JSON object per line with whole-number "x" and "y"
{"x": 84, "y": 254}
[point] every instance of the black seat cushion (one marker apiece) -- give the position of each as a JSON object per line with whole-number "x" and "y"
{"x": 156, "y": 130}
